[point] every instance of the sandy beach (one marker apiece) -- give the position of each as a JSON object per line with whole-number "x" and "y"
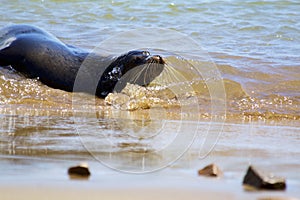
{"x": 35, "y": 177}
{"x": 229, "y": 94}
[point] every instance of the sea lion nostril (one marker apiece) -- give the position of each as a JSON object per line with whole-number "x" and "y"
{"x": 155, "y": 59}
{"x": 158, "y": 59}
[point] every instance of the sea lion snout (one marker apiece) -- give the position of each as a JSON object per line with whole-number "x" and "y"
{"x": 136, "y": 58}
{"x": 155, "y": 59}
{"x": 158, "y": 59}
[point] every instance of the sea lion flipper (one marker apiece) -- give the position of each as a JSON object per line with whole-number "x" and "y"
{"x": 6, "y": 43}
{"x": 4, "y": 61}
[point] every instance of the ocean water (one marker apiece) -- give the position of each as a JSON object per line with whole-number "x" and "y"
{"x": 253, "y": 43}
{"x": 252, "y": 46}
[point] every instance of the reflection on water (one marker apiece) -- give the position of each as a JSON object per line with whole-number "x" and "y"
{"x": 118, "y": 144}
{"x": 37, "y": 136}
{"x": 111, "y": 141}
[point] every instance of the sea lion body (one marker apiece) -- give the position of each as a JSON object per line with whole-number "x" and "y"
{"x": 36, "y": 53}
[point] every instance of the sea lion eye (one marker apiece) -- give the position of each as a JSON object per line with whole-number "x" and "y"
{"x": 146, "y": 53}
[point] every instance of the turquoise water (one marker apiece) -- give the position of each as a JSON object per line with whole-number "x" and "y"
{"x": 261, "y": 32}
{"x": 255, "y": 45}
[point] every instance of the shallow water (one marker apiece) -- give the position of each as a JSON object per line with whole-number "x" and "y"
{"x": 249, "y": 48}
{"x": 253, "y": 43}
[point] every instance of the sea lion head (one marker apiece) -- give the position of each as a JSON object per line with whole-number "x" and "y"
{"x": 137, "y": 67}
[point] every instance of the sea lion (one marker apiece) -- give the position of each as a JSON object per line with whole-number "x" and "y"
{"x": 38, "y": 54}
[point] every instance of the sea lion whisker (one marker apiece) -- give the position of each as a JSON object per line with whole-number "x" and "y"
{"x": 169, "y": 72}
{"x": 148, "y": 68}
{"x": 137, "y": 75}
{"x": 172, "y": 73}
{"x": 154, "y": 69}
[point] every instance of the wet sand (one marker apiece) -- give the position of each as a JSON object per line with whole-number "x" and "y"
{"x": 120, "y": 186}
{"x": 141, "y": 193}
{"x": 273, "y": 148}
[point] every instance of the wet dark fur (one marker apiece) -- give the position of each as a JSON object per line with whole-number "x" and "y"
{"x": 36, "y": 53}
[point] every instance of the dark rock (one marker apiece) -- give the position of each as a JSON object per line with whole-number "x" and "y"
{"x": 81, "y": 170}
{"x": 210, "y": 170}
{"x": 261, "y": 180}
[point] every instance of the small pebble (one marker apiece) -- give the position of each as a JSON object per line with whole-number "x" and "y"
{"x": 210, "y": 170}
{"x": 81, "y": 170}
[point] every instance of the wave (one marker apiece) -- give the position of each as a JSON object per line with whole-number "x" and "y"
{"x": 248, "y": 93}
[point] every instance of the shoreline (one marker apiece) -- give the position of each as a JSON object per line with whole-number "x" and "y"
{"x": 137, "y": 187}
{"x": 48, "y": 179}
